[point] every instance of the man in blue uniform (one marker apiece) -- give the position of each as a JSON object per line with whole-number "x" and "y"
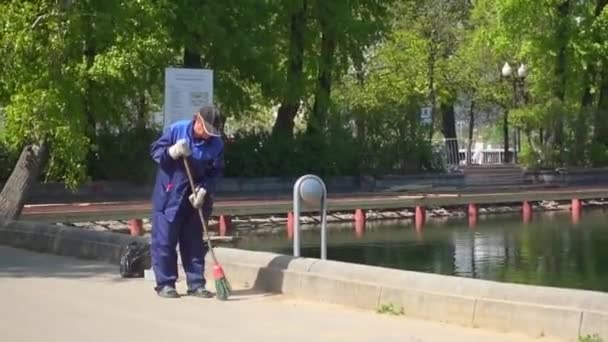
{"x": 175, "y": 208}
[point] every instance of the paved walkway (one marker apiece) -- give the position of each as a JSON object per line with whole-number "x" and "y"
{"x": 265, "y": 205}
{"x": 50, "y": 298}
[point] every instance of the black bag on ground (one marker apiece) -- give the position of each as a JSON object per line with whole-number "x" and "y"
{"x": 135, "y": 260}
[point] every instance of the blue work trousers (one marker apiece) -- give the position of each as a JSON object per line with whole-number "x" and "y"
{"x": 186, "y": 230}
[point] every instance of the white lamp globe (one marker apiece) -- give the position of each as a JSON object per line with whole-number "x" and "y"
{"x": 311, "y": 191}
{"x": 522, "y": 71}
{"x": 506, "y": 70}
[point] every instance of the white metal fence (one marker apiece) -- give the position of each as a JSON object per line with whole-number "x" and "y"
{"x": 455, "y": 152}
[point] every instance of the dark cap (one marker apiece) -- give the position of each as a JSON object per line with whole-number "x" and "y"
{"x": 211, "y": 120}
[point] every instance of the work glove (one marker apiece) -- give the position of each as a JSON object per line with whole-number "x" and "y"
{"x": 180, "y": 149}
{"x": 197, "y": 198}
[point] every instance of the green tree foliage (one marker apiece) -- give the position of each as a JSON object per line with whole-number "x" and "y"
{"x": 339, "y": 83}
{"x": 242, "y": 41}
{"x": 560, "y": 41}
{"x": 70, "y": 67}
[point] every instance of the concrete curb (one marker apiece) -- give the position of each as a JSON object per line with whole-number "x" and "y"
{"x": 66, "y": 241}
{"x": 535, "y": 310}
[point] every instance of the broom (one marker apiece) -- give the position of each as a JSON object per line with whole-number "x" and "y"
{"x": 222, "y": 286}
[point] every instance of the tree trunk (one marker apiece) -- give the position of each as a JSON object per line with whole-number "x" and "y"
{"x": 580, "y": 122}
{"x": 361, "y": 127}
{"x": 602, "y": 110}
{"x": 600, "y": 116}
{"x": 541, "y": 137}
{"x": 318, "y": 121}
{"x": 142, "y": 108}
{"x": 432, "y": 93}
{"x": 89, "y": 53}
{"x": 559, "y": 91}
{"x": 192, "y": 58}
{"x": 587, "y": 99}
{"x": 471, "y": 128}
{"x": 24, "y": 176}
{"x": 449, "y": 132}
{"x": 294, "y": 87}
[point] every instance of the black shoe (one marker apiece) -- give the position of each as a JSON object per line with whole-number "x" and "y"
{"x": 200, "y": 292}
{"x": 167, "y": 292}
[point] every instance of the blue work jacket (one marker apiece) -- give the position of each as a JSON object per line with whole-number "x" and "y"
{"x": 172, "y": 188}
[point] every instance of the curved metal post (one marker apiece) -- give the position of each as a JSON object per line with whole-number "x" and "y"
{"x": 297, "y": 206}
{"x": 323, "y": 222}
{"x": 296, "y": 218}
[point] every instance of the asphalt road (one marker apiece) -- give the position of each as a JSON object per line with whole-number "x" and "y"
{"x": 50, "y": 298}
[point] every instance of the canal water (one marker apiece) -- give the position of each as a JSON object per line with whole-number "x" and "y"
{"x": 551, "y": 250}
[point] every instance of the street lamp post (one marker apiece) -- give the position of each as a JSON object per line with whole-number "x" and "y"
{"x": 518, "y": 76}
{"x": 522, "y": 73}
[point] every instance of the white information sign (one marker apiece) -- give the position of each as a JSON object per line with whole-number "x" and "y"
{"x": 426, "y": 115}
{"x": 186, "y": 90}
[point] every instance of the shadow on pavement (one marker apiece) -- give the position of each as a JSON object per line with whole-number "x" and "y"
{"x": 270, "y": 278}
{"x": 249, "y": 294}
{"x": 22, "y": 263}
{"x": 17, "y": 263}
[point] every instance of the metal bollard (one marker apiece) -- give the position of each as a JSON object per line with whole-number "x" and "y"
{"x": 309, "y": 190}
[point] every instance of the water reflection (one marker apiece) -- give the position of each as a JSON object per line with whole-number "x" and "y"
{"x": 550, "y": 250}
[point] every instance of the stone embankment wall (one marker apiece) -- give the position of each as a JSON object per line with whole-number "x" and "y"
{"x": 114, "y": 191}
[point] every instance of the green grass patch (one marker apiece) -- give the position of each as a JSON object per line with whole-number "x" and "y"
{"x": 590, "y": 338}
{"x": 390, "y": 309}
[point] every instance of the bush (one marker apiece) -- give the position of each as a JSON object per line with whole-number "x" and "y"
{"x": 385, "y": 149}
{"x": 123, "y": 156}
{"x": 8, "y": 158}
